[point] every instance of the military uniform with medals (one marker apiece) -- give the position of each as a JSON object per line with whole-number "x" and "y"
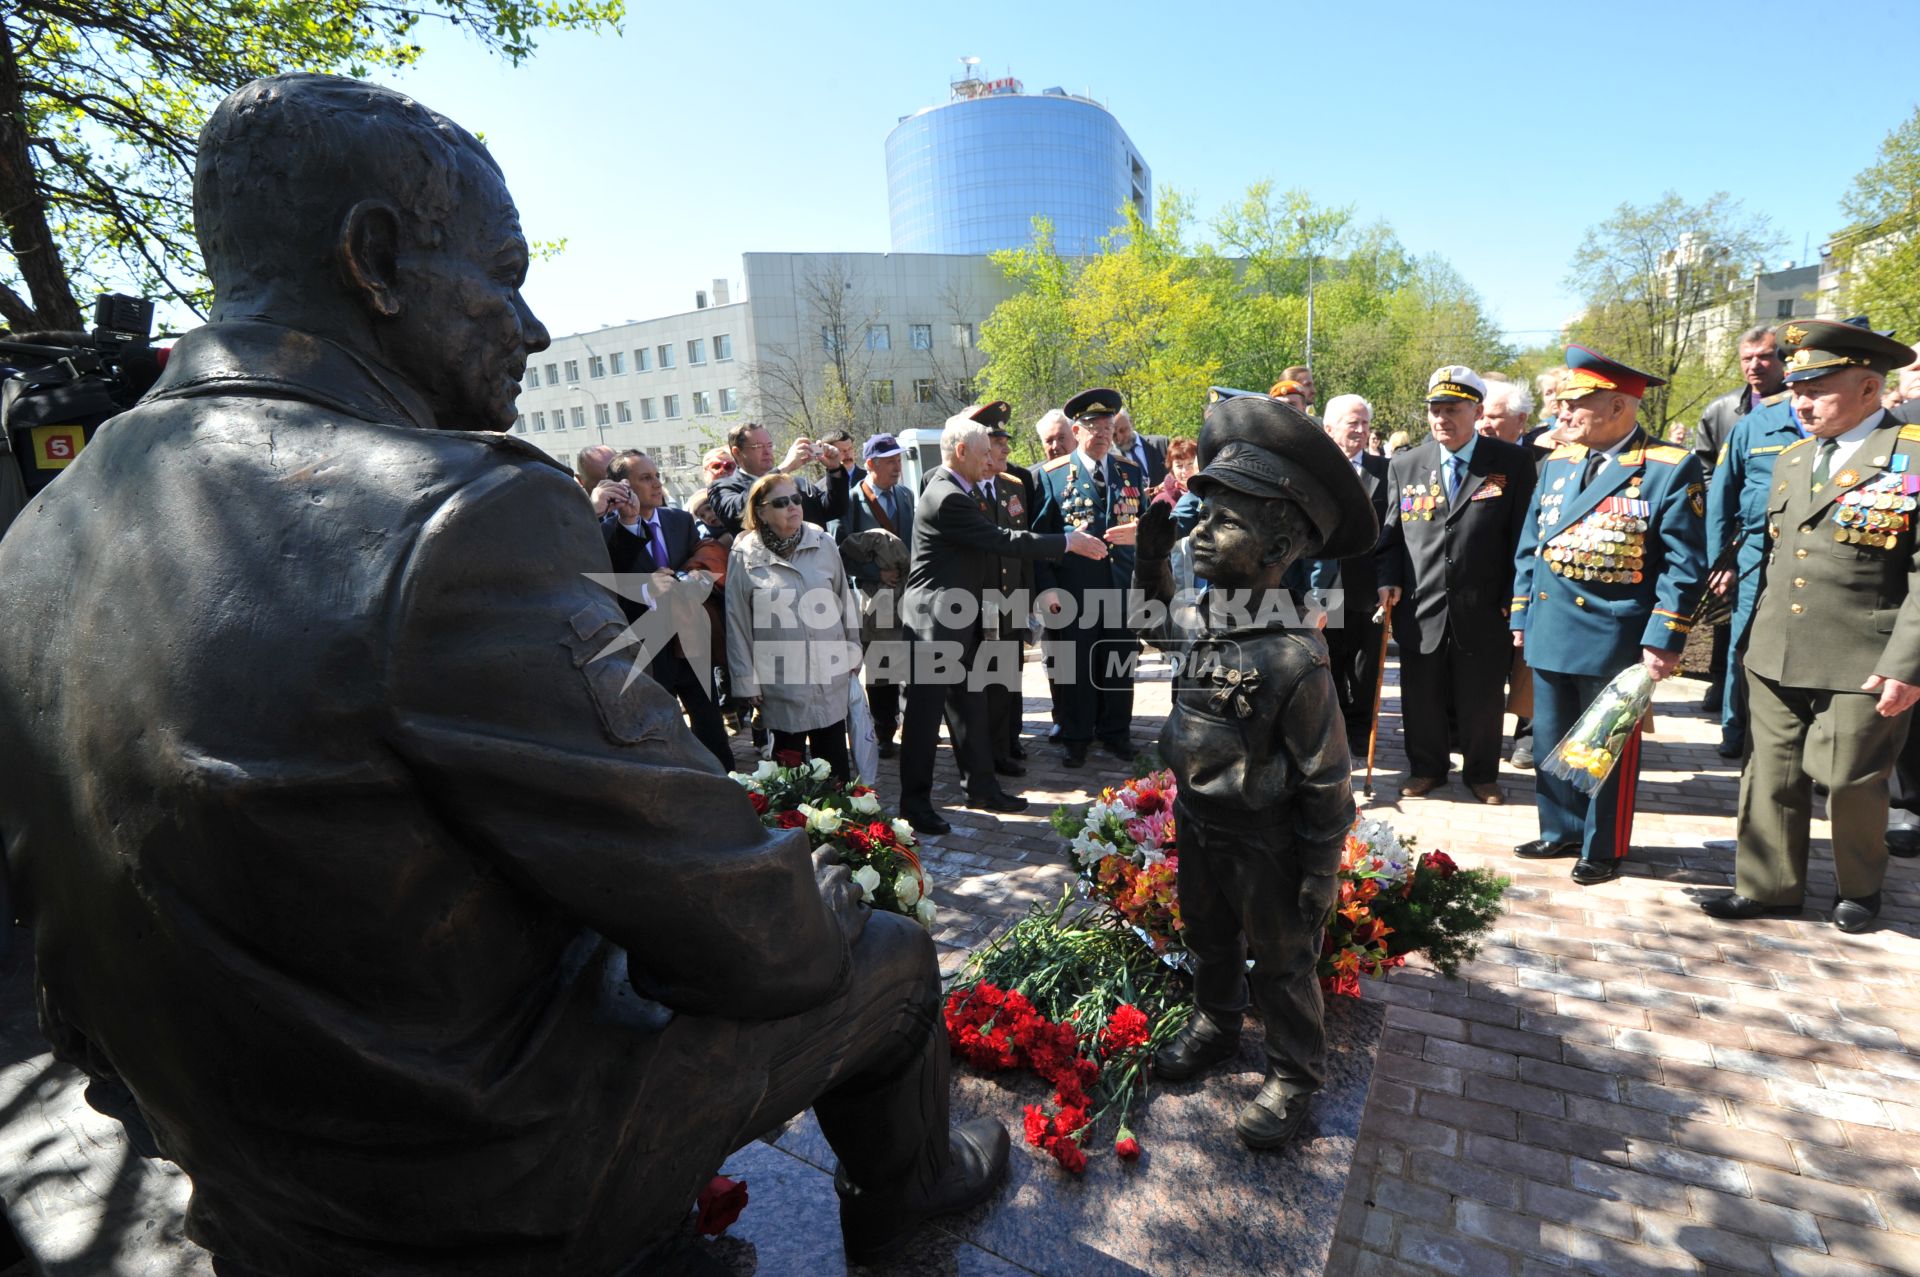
{"x": 1611, "y": 561}
{"x": 1839, "y": 603}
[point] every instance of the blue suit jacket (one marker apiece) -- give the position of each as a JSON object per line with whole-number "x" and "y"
{"x": 864, "y": 514}
{"x": 1595, "y": 626}
{"x": 1068, "y": 499}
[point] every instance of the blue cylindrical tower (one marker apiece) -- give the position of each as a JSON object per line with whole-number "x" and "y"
{"x": 971, "y": 175}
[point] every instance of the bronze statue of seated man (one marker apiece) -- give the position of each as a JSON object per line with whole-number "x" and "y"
{"x": 427, "y": 937}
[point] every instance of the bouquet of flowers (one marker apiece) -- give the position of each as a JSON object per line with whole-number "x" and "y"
{"x": 790, "y": 792}
{"x": 1394, "y": 901}
{"x": 1124, "y": 849}
{"x": 1079, "y": 1002}
{"x": 1591, "y": 750}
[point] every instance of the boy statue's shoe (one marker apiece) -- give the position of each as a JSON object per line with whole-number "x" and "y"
{"x": 876, "y": 1226}
{"x": 1200, "y": 1045}
{"x": 1273, "y": 1117}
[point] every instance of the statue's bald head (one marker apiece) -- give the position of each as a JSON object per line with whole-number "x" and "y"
{"x": 283, "y": 160}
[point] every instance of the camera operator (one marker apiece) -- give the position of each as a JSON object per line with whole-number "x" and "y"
{"x": 752, "y": 450}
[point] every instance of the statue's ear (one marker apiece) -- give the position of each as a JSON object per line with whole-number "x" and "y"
{"x": 369, "y": 254}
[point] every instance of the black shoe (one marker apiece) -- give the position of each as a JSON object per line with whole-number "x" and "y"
{"x": 1200, "y": 1045}
{"x": 1589, "y": 873}
{"x": 1711, "y": 702}
{"x": 928, "y": 821}
{"x": 998, "y": 802}
{"x": 876, "y": 1226}
{"x": 1857, "y": 915}
{"x": 1734, "y": 907}
{"x": 1273, "y": 1117}
{"x": 1731, "y": 746}
{"x": 1903, "y": 842}
{"x": 1523, "y": 756}
{"x": 1541, "y": 849}
{"x": 1075, "y": 756}
{"x": 888, "y": 749}
{"x": 1018, "y": 752}
{"x": 1007, "y": 767}
{"x": 1119, "y": 748}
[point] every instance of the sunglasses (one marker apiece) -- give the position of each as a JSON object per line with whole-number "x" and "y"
{"x": 779, "y": 503}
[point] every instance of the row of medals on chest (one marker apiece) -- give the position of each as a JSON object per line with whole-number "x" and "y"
{"x": 1609, "y": 545}
{"x": 1079, "y": 504}
{"x": 1879, "y": 512}
{"x": 1424, "y": 500}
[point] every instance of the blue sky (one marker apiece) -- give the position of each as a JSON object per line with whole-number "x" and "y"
{"x": 1492, "y": 133}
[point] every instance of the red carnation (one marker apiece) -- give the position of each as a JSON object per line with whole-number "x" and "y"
{"x": 720, "y": 1203}
{"x": 1036, "y": 1125}
{"x": 759, "y": 802}
{"x": 1126, "y": 1028}
{"x": 1440, "y": 862}
{"x": 1070, "y": 1156}
{"x": 789, "y": 757}
{"x": 790, "y": 820}
{"x": 1127, "y": 1148}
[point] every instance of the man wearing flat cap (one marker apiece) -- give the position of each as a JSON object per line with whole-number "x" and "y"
{"x": 1456, "y": 505}
{"x": 1609, "y": 572}
{"x": 879, "y": 507}
{"x": 1256, "y": 742}
{"x": 1833, "y": 657}
{"x": 1083, "y": 601}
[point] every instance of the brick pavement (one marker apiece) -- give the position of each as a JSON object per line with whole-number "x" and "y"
{"x": 1617, "y": 1084}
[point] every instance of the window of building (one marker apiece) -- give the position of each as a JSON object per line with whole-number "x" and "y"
{"x": 880, "y": 392}
{"x": 622, "y": 410}
{"x": 963, "y": 335}
{"x": 702, "y": 404}
{"x": 596, "y": 366}
{"x": 671, "y": 406}
{"x": 831, "y": 337}
{"x": 579, "y": 418}
{"x": 696, "y": 350}
{"x": 618, "y": 361}
{"x": 879, "y": 337}
{"x": 600, "y": 417}
{"x": 722, "y": 347}
{"x": 963, "y": 391}
{"x": 573, "y": 370}
{"x": 533, "y": 377}
{"x": 677, "y": 454}
{"x": 646, "y": 410}
{"x": 920, "y": 336}
{"x": 729, "y": 399}
{"x": 642, "y": 359}
{"x": 519, "y": 425}
{"x": 1784, "y": 308}
{"x": 539, "y": 423}
{"x": 923, "y": 390}
{"x": 666, "y": 355}
{"x": 553, "y": 374}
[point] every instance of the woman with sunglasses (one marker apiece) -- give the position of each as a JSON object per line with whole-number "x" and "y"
{"x": 793, "y": 627}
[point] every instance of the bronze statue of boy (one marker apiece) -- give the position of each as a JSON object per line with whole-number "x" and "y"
{"x": 425, "y": 934}
{"x": 1256, "y": 742}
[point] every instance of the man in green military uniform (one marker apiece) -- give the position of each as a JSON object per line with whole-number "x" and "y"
{"x": 1833, "y": 658}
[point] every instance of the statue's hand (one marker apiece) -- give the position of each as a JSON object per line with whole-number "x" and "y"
{"x": 1156, "y": 533}
{"x": 844, "y": 899}
{"x": 1317, "y": 893}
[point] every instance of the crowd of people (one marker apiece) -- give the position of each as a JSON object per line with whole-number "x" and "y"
{"x": 1528, "y": 553}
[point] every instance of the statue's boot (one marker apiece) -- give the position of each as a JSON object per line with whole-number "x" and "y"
{"x": 1274, "y": 1116}
{"x": 1203, "y": 1043}
{"x": 876, "y": 1225}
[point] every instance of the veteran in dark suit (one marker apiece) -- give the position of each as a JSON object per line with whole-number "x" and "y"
{"x": 1455, "y": 508}
{"x": 1010, "y": 491}
{"x": 957, "y": 548}
{"x": 877, "y": 499}
{"x": 1833, "y": 658}
{"x": 1353, "y": 645}
{"x": 1096, "y": 492}
{"x": 1149, "y": 455}
{"x": 1609, "y": 572}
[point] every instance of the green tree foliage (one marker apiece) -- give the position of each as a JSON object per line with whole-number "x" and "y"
{"x": 1655, "y": 279}
{"x": 1161, "y": 313}
{"x": 101, "y": 105}
{"x": 1882, "y": 244}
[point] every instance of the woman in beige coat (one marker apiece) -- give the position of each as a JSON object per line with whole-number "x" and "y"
{"x": 793, "y": 625}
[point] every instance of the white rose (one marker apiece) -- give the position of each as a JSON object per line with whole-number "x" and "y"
{"x": 865, "y": 804}
{"x": 903, "y": 831}
{"x": 924, "y": 912}
{"x": 820, "y": 768}
{"x": 820, "y": 820}
{"x": 907, "y": 889}
{"x": 767, "y": 769}
{"x": 868, "y": 878}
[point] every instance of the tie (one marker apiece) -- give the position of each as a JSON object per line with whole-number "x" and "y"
{"x": 1827, "y": 448}
{"x": 655, "y": 551}
{"x": 1594, "y": 461}
{"x": 1454, "y": 467}
{"x": 1100, "y": 481}
{"x": 886, "y": 506}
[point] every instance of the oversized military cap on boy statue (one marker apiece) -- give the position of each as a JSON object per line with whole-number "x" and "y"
{"x": 425, "y": 934}
{"x": 1256, "y": 741}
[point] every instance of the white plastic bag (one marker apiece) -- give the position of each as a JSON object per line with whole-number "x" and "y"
{"x": 866, "y": 745}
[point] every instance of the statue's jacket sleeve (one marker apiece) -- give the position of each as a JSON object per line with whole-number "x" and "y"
{"x": 1264, "y": 755}
{"x": 536, "y": 738}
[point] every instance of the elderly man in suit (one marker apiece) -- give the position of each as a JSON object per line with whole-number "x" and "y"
{"x": 1353, "y": 645}
{"x": 878, "y": 500}
{"x": 1455, "y": 507}
{"x": 752, "y": 450}
{"x": 1010, "y": 492}
{"x": 957, "y": 547}
{"x": 1149, "y": 455}
{"x": 1833, "y": 656}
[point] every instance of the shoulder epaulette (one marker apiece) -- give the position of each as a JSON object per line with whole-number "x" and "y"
{"x": 1801, "y": 443}
{"x": 1910, "y": 432}
{"x": 1128, "y": 465}
{"x": 1568, "y": 452}
{"x": 1057, "y": 462}
{"x": 1667, "y": 453}
{"x": 1771, "y": 400}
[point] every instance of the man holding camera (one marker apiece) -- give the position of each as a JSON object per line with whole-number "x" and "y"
{"x": 752, "y": 450}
